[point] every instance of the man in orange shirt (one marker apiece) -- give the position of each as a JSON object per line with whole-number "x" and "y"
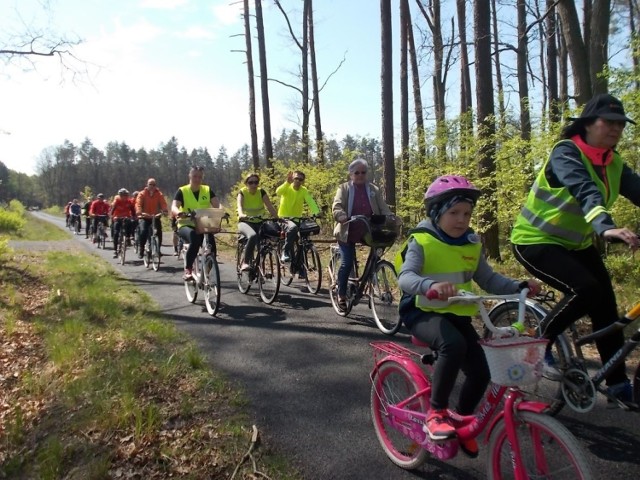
{"x": 122, "y": 212}
{"x": 98, "y": 211}
{"x": 149, "y": 203}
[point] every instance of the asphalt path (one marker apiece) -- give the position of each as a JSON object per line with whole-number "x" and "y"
{"x": 306, "y": 371}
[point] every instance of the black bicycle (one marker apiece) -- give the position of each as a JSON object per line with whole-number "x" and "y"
{"x": 264, "y": 268}
{"x": 378, "y": 281}
{"x": 152, "y": 252}
{"x": 123, "y": 238}
{"x": 574, "y": 386}
{"x": 100, "y": 230}
{"x": 75, "y": 223}
{"x": 305, "y": 259}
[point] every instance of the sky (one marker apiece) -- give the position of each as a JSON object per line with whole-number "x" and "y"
{"x": 154, "y": 69}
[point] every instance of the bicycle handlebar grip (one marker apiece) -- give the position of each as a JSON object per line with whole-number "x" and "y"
{"x": 432, "y": 294}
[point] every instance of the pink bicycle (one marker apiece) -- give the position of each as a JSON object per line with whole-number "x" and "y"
{"x": 523, "y": 442}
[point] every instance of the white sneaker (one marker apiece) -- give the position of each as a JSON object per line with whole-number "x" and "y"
{"x": 550, "y": 372}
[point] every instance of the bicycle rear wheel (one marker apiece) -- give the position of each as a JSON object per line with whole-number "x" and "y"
{"x": 244, "y": 280}
{"x": 312, "y": 268}
{"x": 155, "y": 253}
{"x": 191, "y": 285}
{"x": 384, "y": 297}
{"x": 545, "y": 390}
{"x": 269, "y": 276}
{"x": 211, "y": 285}
{"x": 547, "y": 448}
{"x": 392, "y": 384}
{"x": 334, "y": 266}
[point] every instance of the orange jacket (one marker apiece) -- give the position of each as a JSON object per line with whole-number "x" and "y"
{"x": 122, "y": 208}
{"x": 150, "y": 204}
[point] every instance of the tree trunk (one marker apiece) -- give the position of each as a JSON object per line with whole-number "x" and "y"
{"x": 576, "y": 50}
{"x": 502, "y": 115}
{"x": 466, "y": 100}
{"x": 521, "y": 62}
{"x": 599, "y": 44}
{"x": 255, "y": 156}
{"x": 417, "y": 95}
{"x": 386, "y": 75}
{"x": 315, "y": 87}
{"x": 404, "y": 97}
{"x": 264, "y": 87}
{"x": 552, "y": 65}
{"x": 563, "y": 67}
{"x": 305, "y": 83}
{"x": 486, "y": 124}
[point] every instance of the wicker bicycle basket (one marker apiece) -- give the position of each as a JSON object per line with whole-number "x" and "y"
{"x": 514, "y": 361}
{"x": 384, "y": 230}
{"x": 208, "y": 220}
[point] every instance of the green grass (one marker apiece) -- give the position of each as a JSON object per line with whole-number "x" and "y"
{"x": 117, "y": 386}
{"x": 36, "y": 229}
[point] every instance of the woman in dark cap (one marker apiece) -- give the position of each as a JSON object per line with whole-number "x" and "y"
{"x": 553, "y": 235}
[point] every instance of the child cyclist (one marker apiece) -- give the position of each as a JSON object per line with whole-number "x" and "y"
{"x": 445, "y": 255}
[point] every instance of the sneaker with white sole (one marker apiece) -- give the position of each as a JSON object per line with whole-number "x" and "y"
{"x": 438, "y": 425}
{"x": 549, "y": 369}
{"x": 621, "y": 391}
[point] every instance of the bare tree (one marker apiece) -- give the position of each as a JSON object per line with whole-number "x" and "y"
{"x": 522, "y": 59}
{"x": 314, "y": 85}
{"x": 415, "y": 81}
{"x": 552, "y": 63}
{"x": 466, "y": 101}
{"x": 576, "y": 50}
{"x": 264, "y": 86}
{"x": 599, "y": 44}
{"x": 252, "y": 89}
{"x": 386, "y": 74}
{"x": 502, "y": 116}
{"x": 404, "y": 96}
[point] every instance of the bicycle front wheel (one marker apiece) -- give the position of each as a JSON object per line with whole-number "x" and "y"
{"x": 244, "y": 280}
{"x": 384, "y": 297}
{"x": 312, "y": 268}
{"x": 155, "y": 253}
{"x": 545, "y": 390}
{"x": 269, "y": 276}
{"x": 211, "y": 285}
{"x": 547, "y": 450}
{"x": 123, "y": 251}
{"x": 392, "y": 384}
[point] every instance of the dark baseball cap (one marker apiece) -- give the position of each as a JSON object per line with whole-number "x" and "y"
{"x": 603, "y": 106}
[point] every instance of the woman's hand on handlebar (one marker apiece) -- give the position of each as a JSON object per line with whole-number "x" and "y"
{"x": 623, "y": 234}
{"x": 441, "y": 291}
{"x": 533, "y": 285}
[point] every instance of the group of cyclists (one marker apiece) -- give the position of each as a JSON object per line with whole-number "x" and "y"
{"x": 123, "y": 214}
{"x": 552, "y": 238}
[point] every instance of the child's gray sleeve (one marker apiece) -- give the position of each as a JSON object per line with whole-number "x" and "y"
{"x": 493, "y": 282}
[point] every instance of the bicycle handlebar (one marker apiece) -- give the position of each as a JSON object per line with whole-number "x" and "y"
{"x": 468, "y": 297}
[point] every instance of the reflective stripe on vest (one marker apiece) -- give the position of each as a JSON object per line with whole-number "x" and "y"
{"x": 190, "y": 203}
{"x": 448, "y": 263}
{"x": 553, "y": 215}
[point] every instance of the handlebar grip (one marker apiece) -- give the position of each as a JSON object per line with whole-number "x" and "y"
{"x": 432, "y": 294}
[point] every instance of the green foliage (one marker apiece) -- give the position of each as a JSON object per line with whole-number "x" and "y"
{"x": 17, "y": 207}
{"x": 11, "y": 221}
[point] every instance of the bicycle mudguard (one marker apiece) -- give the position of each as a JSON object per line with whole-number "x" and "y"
{"x": 524, "y": 406}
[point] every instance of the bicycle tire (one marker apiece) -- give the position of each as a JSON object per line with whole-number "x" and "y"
{"x": 286, "y": 275}
{"x": 545, "y": 390}
{"x": 547, "y": 448}
{"x": 103, "y": 240}
{"x": 191, "y": 286}
{"x": 269, "y": 276}
{"x": 312, "y": 268}
{"x": 384, "y": 298}
{"x": 244, "y": 281}
{"x": 155, "y": 253}
{"x": 391, "y": 384}
{"x": 334, "y": 266}
{"x": 122, "y": 250}
{"x": 211, "y": 280}
{"x": 636, "y": 386}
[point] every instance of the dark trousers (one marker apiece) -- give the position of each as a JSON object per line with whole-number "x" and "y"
{"x": 291, "y": 233}
{"x": 583, "y": 279}
{"x": 456, "y": 340}
{"x": 189, "y": 235}
{"x": 122, "y": 226}
{"x": 145, "y": 227}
